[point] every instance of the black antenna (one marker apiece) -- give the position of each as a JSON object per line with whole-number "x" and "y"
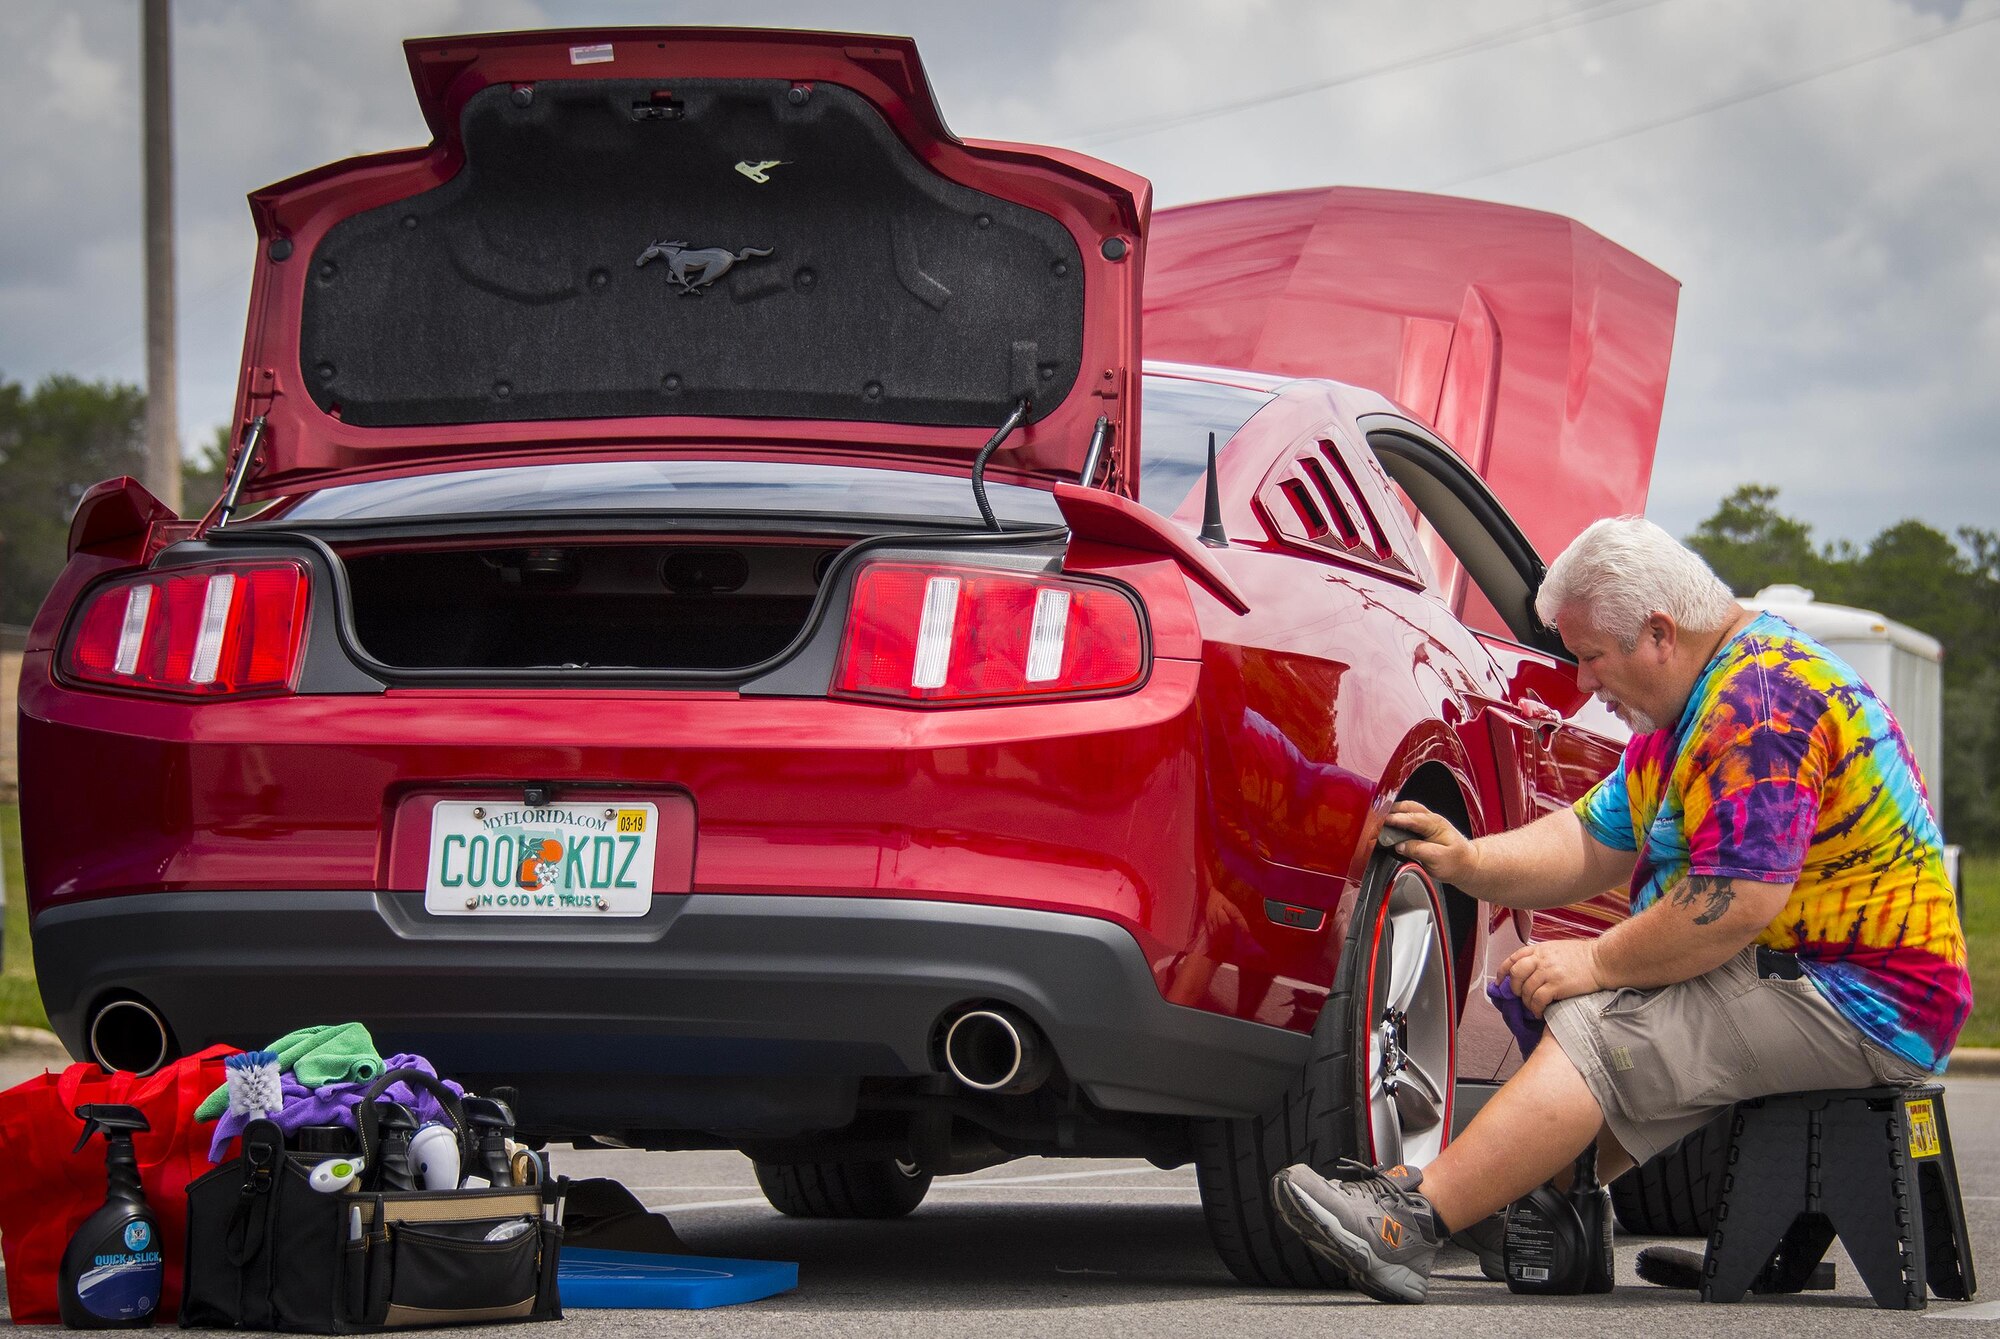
{"x": 1211, "y": 510}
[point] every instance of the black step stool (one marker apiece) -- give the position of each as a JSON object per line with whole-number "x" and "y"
{"x": 1872, "y": 1166}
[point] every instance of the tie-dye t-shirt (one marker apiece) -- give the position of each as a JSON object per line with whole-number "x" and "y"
{"x": 1786, "y": 768}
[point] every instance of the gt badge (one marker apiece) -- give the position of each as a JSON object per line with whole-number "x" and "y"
{"x": 695, "y": 270}
{"x": 759, "y": 172}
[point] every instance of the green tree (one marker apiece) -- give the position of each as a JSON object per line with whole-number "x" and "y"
{"x": 203, "y": 473}
{"x": 1915, "y": 575}
{"x": 1982, "y": 562}
{"x": 55, "y": 442}
{"x": 1971, "y": 799}
{"x": 1750, "y": 544}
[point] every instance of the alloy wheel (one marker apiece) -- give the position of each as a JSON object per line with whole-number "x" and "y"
{"x": 1410, "y": 1039}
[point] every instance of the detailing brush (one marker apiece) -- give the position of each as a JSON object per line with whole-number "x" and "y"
{"x": 254, "y": 1088}
{"x": 1673, "y": 1267}
{"x": 1670, "y": 1266}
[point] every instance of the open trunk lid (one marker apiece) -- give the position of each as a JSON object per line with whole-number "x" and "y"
{"x": 645, "y": 243}
{"x": 1533, "y": 345}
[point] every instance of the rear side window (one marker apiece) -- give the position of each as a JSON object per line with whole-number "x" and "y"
{"x": 1175, "y": 418}
{"x": 1313, "y": 499}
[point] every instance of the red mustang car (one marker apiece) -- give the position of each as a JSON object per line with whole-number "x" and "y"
{"x": 740, "y": 650}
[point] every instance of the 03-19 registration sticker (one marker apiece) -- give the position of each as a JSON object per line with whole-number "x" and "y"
{"x": 561, "y": 860}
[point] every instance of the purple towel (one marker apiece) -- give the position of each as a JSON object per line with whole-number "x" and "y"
{"x": 334, "y": 1104}
{"x": 1527, "y": 1028}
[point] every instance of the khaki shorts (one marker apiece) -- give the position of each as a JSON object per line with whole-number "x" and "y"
{"x": 1662, "y": 1062}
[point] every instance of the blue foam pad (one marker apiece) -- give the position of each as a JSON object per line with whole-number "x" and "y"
{"x": 619, "y": 1280}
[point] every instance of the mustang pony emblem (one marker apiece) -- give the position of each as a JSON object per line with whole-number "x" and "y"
{"x": 697, "y": 269}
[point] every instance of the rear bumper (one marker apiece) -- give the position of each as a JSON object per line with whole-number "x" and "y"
{"x": 587, "y": 1016}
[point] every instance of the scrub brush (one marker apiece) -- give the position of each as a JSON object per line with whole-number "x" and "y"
{"x": 254, "y": 1090}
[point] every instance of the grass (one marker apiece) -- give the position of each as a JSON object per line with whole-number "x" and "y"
{"x": 1979, "y": 877}
{"x": 20, "y": 1002}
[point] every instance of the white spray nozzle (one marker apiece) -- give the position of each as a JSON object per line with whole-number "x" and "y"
{"x": 337, "y": 1174}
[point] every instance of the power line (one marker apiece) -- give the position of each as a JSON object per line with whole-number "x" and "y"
{"x": 103, "y": 352}
{"x": 1719, "y": 104}
{"x": 1590, "y": 13}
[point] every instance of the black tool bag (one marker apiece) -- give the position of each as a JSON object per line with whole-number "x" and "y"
{"x": 268, "y": 1252}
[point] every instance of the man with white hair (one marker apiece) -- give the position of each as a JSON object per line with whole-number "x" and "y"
{"x": 1792, "y": 926}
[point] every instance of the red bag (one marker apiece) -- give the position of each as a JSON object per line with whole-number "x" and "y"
{"x": 46, "y": 1191}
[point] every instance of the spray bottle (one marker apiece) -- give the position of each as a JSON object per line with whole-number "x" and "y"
{"x": 111, "y": 1271}
{"x": 1559, "y": 1242}
{"x": 391, "y": 1168}
{"x": 492, "y": 1121}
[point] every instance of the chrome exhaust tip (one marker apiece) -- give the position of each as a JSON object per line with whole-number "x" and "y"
{"x": 996, "y": 1050}
{"x": 129, "y": 1035}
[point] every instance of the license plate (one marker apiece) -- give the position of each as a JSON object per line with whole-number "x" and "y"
{"x": 498, "y": 859}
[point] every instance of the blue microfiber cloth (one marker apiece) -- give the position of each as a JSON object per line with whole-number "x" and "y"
{"x": 1527, "y": 1028}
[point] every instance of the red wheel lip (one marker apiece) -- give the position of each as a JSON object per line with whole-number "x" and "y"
{"x": 1396, "y": 871}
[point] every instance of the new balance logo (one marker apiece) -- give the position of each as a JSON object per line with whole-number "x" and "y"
{"x": 1392, "y": 1233}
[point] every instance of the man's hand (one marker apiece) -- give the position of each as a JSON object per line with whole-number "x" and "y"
{"x": 1553, "y": 970}
{"x": 1436, "y": 845}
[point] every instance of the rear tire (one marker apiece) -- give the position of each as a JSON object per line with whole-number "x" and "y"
{"x": 1674, "y": 1194}
{"x": 1336, "y": 1105}
{"x": 881, "y": 1189}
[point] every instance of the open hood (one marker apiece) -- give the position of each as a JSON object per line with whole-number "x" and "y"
{"x": 1534, "y": 346}
{"x": 634, "y": 243}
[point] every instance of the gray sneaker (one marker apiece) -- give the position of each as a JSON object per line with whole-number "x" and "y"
{"x": 1370, "y": 1221}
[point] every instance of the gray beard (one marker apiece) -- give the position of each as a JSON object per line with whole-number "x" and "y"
{"x": 1637, "y": 721}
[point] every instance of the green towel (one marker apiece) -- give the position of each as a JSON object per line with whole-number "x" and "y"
{"x": 315, "y": 1056}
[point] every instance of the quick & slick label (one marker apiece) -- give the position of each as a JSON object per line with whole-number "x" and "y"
{"x": 123, "y": 1281}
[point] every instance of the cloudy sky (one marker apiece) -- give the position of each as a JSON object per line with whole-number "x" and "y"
{"x": 1821, "y": 175}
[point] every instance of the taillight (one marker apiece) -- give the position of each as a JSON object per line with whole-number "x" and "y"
{"x": 201, "y": 631}
{"x": 951, "y": 634}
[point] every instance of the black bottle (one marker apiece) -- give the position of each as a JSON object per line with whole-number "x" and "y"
{"x": 391, "y": 1168}
{"x": 492, "y": 1121}
{"x": 1592, "y": 1202}
{"x": 111, "y": 1271}
{"x": 1559, "y": 1242}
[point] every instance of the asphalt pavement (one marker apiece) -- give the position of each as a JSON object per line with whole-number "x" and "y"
{"x": 1104, "y": 1248}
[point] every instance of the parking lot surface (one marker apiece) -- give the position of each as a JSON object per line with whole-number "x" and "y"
{"x": 1105, "y": 1248}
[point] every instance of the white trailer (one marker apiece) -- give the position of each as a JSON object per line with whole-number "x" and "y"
{"x": 1902, "y": 665}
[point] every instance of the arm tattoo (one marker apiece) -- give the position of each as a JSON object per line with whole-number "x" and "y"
{"x": 1720, "y": 892}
